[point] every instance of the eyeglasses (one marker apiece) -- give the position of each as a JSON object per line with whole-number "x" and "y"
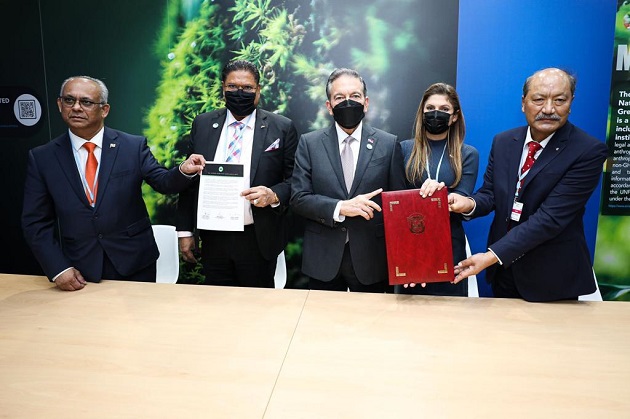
{"x": 69, "y": 101}
{"x": 246, "y": 88}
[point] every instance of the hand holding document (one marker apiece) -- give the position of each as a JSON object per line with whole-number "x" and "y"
{"x": 220, "y": 205}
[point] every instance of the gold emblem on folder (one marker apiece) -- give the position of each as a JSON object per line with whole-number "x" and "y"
{"x": 445, "y": 270}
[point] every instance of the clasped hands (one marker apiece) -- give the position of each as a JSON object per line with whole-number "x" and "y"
{"x": 70, "y": 280}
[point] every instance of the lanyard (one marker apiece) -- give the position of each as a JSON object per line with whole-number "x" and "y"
{"x": 521, "y": 176}
{"x": 437, "y": 171}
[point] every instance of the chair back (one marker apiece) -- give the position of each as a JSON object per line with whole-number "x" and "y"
{"x": 168, "y": 262}
{"x": 280, "y": 278}
{"x": 473, "y": 290}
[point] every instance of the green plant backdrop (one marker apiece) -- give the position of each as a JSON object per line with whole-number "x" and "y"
{"x": 296, "y": 45}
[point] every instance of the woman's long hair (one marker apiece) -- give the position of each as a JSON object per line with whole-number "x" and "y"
{"x": 417, "y": 163}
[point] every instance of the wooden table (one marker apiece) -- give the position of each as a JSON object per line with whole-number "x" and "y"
{"x": 137, "y": 350}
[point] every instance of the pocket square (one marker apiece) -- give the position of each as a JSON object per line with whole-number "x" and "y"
{"x": 273, "y": 146}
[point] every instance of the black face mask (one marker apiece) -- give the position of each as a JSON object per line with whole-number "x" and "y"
{"x": 240, "y": 103}
{"x": 436, "y": 122}
{"x": 348, "y": 113}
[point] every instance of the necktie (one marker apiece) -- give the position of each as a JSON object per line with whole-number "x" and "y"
{"x": 234, "y": 148}
{"x": 529, "y": 160}
{"x": 347, "y": 162}
{"x": 90, "y": 172}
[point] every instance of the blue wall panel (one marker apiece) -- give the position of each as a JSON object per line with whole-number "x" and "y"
{"x": 501, "y": 43}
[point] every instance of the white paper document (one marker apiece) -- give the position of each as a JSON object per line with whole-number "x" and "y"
{"x": 220, "y": 205}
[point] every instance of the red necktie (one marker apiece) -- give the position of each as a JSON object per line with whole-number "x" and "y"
{"x": 529, "y": 160}
{"x": 90, "y": 172}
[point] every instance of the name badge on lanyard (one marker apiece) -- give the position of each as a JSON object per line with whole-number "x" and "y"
{"x": 517, "y": 210}
{"x": 517, "y": 207}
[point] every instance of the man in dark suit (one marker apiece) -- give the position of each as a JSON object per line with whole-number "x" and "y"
{"x": 87, "y": 225}
{"x": 536, "y": 246}
{"x": 268, "y": 142}
{"x": 339, "y": 174}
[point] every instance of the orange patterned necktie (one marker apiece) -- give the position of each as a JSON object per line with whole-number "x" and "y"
{"x": 90, "y": 173}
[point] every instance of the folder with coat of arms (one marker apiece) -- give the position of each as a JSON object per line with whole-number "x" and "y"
{"x": 417, "y": 237}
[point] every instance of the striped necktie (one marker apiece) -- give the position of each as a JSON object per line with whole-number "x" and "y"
{"x": 235, "y": 145}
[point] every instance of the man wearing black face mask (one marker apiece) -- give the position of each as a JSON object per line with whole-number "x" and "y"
{"x": 265, "y": 146}
{"x": 339, "y": 174}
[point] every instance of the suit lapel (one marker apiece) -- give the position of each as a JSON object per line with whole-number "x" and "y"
{"x": 331, "y": 147}
{"x": 514, "y": 159}
{"x": 214, "y": 134}
{"x": 108, "y": 158}
{"x": 65, "y": 156}
{"x": 259, "y": 142}
{"x": 554, "y": 147}
{"x": 365, "y": 155}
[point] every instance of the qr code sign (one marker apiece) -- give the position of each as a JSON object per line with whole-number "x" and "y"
{"x": 27, "y": 109}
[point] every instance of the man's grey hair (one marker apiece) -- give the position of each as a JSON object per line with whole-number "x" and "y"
{"x": 344, "y": 72}
{"x": 104, "y": 95}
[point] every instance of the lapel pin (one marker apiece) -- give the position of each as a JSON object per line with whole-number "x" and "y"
{"x": 262, "y": 126}
{"x": 369, "y": 146}
{"x": 371, "y": 140}
{"x": 557, "y": 148}
{"x": 215, "y": 125}
{"x": 112, "y": 146}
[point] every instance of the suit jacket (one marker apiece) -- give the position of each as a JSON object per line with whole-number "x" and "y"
{"x": 318, "y": 185}
{"x": 546, "y": 249}
{"x": 269, "y": 168}
{"x": 118, "y": 225}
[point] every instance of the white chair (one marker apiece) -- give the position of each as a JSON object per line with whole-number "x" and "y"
{"x": 473, "y": 291}
{"x": 168, "y": 262}
{"x": 596, "y": 296}
{"x": 280, "y": 279}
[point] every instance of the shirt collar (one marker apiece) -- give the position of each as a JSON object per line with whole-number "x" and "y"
{"x": 77, "y": 142}
{"x": 249, "y": 121}
{"x": 342, "y": 135}
{"x": 543, "y": 143}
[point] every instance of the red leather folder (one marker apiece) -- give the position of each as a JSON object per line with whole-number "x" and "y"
{"x": 417, "y": 237}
